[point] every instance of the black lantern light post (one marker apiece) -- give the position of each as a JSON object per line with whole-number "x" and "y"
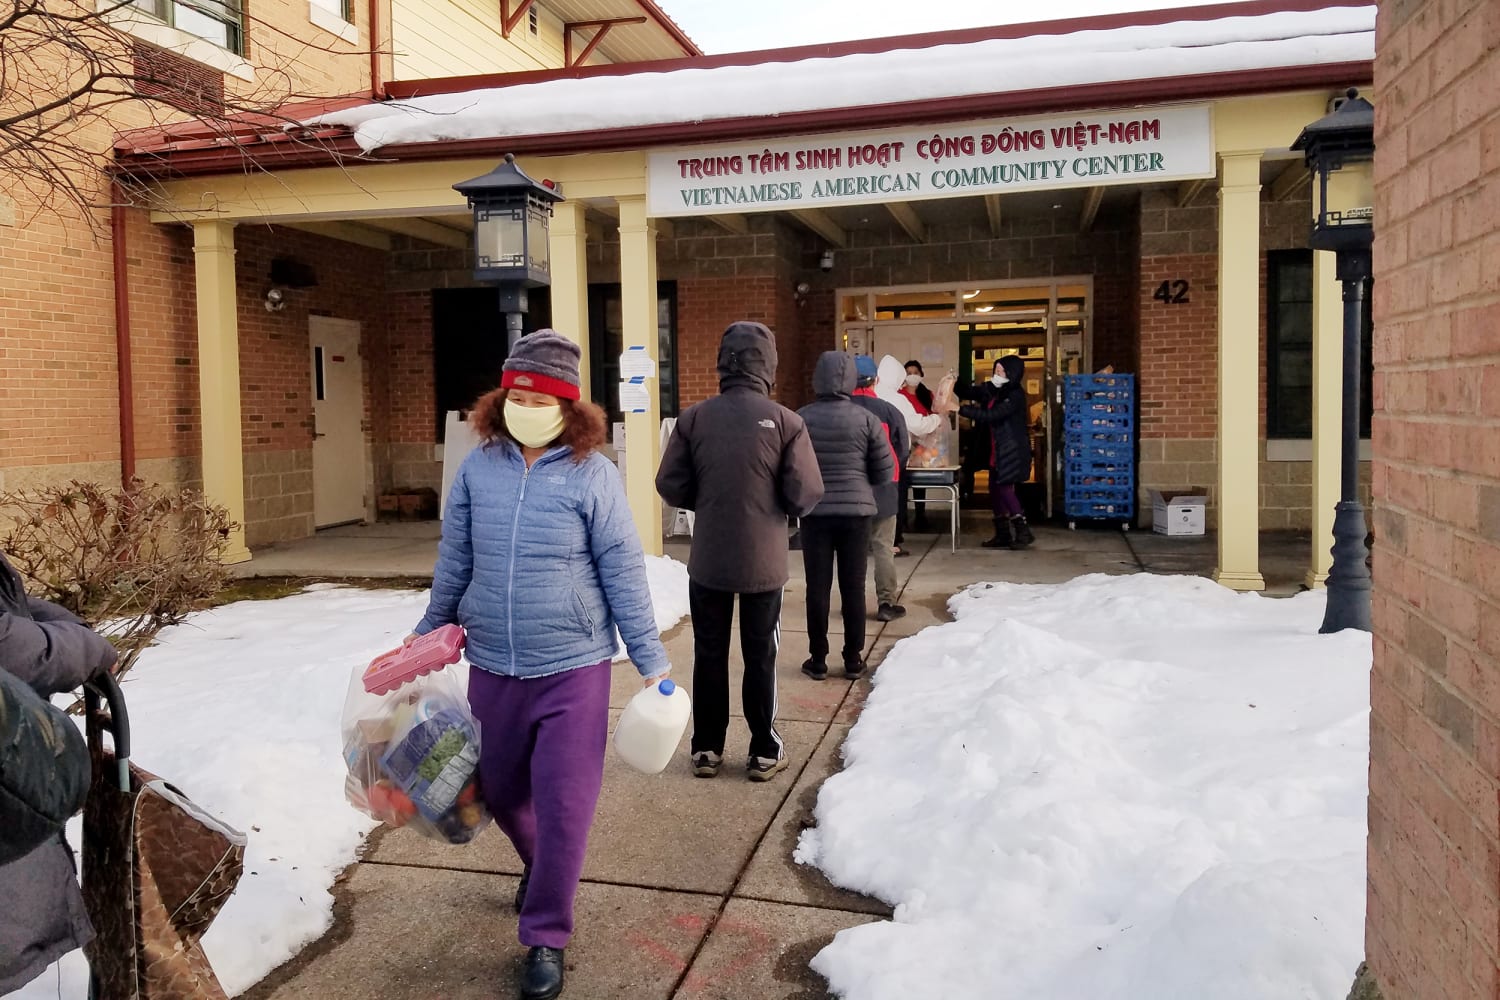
{"x": 1340, "y": 151}
{"x": 511, "y": 215}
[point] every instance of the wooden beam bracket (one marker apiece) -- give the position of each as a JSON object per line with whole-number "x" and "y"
{"x": 1091, "y": 202}
{"x": 509, "y": 20}
{"x": 576, "y": 27}
{"x": 907, "y": 218}
{"x": 819, "y": 222}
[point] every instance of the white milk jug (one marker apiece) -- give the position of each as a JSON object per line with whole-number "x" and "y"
{"x": 652, "y": 725}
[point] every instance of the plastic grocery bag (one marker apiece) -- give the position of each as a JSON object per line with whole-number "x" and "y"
{"x": 931, "y": 451}
{"x": 413, "y": 754}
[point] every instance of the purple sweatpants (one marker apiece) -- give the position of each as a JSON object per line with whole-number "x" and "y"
{"x": 541, "y": 762}
{"x": 1003, "y": 499}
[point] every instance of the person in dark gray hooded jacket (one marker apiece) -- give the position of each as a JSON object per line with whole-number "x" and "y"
{"x": 744, "y": 464}
{"x": 854, "y": 456}
{"x": 42, "y": 915}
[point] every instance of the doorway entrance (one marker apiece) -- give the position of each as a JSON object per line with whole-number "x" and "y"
{"x": 338, "y": 422}
{"x": 966, "y": 329}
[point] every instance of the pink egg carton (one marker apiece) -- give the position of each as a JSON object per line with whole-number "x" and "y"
{"x": 422, "y": 655}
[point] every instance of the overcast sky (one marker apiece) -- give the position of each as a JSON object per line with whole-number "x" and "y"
{"x": 727, "y": 26}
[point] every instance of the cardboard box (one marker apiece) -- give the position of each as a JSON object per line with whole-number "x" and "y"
{"x": 1179, "y": 511}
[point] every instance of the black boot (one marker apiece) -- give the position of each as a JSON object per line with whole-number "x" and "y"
{"x": 1002, "y": 538}
{"x": 542, "y": 976}
{"x": 1021, "y": 532}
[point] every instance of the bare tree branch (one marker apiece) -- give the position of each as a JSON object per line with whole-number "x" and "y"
{"x": 72, "y": 77}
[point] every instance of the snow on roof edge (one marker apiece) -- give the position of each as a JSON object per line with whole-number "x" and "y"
{"x": 1282, "y": 39}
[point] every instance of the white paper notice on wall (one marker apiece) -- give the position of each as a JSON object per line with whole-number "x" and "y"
{"x": 635, "y": 363}
{"x": 634, "y": 396}
{"x": 932, "y": 354}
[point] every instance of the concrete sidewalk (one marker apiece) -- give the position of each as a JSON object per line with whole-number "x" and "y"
{"x": 690, "y": 891}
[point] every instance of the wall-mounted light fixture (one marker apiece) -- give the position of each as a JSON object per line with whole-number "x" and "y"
{"x": 275, "y": 300}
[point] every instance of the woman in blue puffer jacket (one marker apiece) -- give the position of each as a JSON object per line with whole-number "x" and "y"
{"x": 539, "y": 562}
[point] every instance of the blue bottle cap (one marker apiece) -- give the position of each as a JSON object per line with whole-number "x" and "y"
{"x": 666, "y": 687}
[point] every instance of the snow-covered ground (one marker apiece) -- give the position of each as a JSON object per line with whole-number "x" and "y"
{"x": 1140, "y": 788}
{"x": 240, "y": 709}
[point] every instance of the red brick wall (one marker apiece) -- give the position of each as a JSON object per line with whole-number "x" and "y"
{"x": 275, "y": 357}
{"x": 408, "y": 364}
{"x": 1433, "y": 925}
{"x": 1179, "y": 347}
{"x": 163, "y": 338}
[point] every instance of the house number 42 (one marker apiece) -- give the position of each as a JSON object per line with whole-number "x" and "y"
{"x": 1172, "y": 292}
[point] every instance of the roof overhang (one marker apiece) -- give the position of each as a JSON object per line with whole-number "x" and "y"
{"x": 169, "y": 153}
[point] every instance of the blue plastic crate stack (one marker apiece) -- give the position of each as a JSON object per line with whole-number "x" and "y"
{"x": 1099, "y": 447}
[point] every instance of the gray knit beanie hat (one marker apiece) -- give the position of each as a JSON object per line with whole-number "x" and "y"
{"x": 544, "y": 361}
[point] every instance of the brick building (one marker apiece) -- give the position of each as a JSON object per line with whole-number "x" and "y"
{"x": 1433, "y": 919}
{"x": 1174, "y": 247}
{"x": 68, "y": 328}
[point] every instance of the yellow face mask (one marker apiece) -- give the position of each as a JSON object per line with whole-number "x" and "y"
{"x": 533, "y": 426}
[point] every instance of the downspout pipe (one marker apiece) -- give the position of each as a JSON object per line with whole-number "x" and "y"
{"x": 377, "y": 85}
{"x": 117, "y": 224}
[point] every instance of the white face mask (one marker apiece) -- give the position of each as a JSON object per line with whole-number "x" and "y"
{"x": 998, "y": 380}
{"x": 533, "y": 426}
{"x": 912, "y": 381}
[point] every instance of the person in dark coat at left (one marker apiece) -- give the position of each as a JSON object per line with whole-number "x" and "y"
{"x": 42, "y": 917}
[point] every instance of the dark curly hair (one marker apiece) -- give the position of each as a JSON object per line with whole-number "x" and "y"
{"x": 584, "y": 426}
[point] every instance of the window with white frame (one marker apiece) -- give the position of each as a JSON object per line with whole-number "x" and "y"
{"x": 341, "y": 8}
{"x": 218, "y": 21}
{"x": 533, "y": 20}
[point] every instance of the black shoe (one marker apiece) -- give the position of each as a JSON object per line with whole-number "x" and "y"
{"x": 521, "y": 889}
{"x": 1020, "y": 532}
{"x": 1002, "y": 538}
{"x": 815, "y": 668}
{"x": 854, "y": 666}
{"x": 889, "y": 612}
{"x": 901, "y": 553}
{"x": 542, "y": 975}
{"x": 706, "y": 763}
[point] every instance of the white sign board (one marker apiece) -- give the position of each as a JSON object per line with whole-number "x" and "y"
{"x": 636, "y": 363}
{"x": 635, "y": 397}
{"x": 1137, "y": 146}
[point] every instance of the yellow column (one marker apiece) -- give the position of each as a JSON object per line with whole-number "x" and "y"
{"x": 638, "y": 309}
{"x": 570, "y": 279}
{"x": 1239, "y": 368}
{"x": 1327, "y": 411}
{"x": 219, "y": 377}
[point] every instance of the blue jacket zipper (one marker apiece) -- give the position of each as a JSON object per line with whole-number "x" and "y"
{"x": 510, "y": 588}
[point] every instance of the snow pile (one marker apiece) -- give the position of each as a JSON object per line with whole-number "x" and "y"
{"x": 1142, "y": 788}
{"x": 994, "y": 66}
{"x": 668, "y": 580}
{"x": 240, "y": 709}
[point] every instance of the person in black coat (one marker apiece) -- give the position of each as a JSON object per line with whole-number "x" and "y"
{"x": 1002, "y": 408}
{"x": 42, "y": 917}
{"x": 854, "y": 457}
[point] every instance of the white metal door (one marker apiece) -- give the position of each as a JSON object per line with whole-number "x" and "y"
{"x": 935, "y": 345}
{"x": 338, "y": 422}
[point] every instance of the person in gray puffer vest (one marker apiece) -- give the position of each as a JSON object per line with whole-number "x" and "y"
{"x": 744, "y": 464}
{"x": 42, "y": 915}
{"x": 854, "y": 456}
